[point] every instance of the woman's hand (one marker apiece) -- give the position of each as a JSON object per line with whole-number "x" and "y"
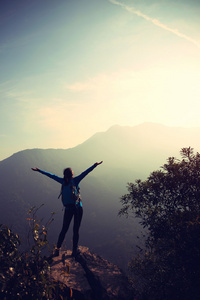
{"x": 35, "y": 169}
{"x": 98, "y": 163}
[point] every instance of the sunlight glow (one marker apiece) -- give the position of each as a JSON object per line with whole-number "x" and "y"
{"x": 74, "y": 68}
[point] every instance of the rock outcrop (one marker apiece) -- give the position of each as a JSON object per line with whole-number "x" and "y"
{"x": 90, "y": 276}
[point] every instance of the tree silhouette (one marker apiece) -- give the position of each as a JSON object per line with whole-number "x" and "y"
{"x": 168, "y": 205}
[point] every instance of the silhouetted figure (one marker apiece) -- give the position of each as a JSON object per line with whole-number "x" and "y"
{"x": 72, "y": 202}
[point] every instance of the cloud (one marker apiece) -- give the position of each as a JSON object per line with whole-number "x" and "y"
{"x": 156, "y": 22}
{"x": 20, "y": 96}
{"x": 80, "y": 86}
{"x": 98, "y": 82}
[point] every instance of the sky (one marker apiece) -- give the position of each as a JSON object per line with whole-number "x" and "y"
{"x": 71, "y": 68}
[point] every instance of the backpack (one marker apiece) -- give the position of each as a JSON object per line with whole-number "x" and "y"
{"x": 70, "y": 194}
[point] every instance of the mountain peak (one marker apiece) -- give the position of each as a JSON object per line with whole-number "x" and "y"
{"x": 90, "y": 276}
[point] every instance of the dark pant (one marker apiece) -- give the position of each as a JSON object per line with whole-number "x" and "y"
{"x": 77, "y": 212}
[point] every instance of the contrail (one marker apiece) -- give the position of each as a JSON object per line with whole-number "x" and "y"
{"x": 156, "y": 22}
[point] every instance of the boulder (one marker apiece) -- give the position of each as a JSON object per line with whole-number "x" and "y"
{"x": 90, "y": 277}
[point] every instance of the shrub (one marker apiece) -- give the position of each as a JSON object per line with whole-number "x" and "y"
{"x": 168, "y": 206}
{"x": 26, "y": 274}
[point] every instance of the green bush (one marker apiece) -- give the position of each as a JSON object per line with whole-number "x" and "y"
{"x": 168, "y": 206}
{"x": 26, "y": 275}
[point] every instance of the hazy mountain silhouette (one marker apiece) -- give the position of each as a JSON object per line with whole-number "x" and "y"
{"x": 128, "y": 153}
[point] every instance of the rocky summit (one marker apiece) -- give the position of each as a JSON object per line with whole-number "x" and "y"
{"x": 90, "y": 277}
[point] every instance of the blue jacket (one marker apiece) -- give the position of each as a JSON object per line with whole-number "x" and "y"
{"x": 76, "y": 180}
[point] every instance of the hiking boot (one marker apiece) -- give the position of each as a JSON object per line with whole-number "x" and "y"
{"x": 75, "y": 253}
{"x": 56, "y": 253}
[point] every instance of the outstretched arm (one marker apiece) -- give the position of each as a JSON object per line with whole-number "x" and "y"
{"x": 52, "y": 176}
{"x": 82, "y": 175}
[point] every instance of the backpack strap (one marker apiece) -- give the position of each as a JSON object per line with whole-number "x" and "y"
{"x": 60, "y": 191}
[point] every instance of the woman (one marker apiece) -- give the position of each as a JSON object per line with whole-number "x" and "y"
{"x": 71, "y": 201}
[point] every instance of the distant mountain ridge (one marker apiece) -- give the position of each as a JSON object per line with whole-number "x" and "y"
{"x": 128, "y": 153}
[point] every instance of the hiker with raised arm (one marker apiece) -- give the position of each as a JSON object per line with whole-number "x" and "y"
{"x": 70, "y": 193}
